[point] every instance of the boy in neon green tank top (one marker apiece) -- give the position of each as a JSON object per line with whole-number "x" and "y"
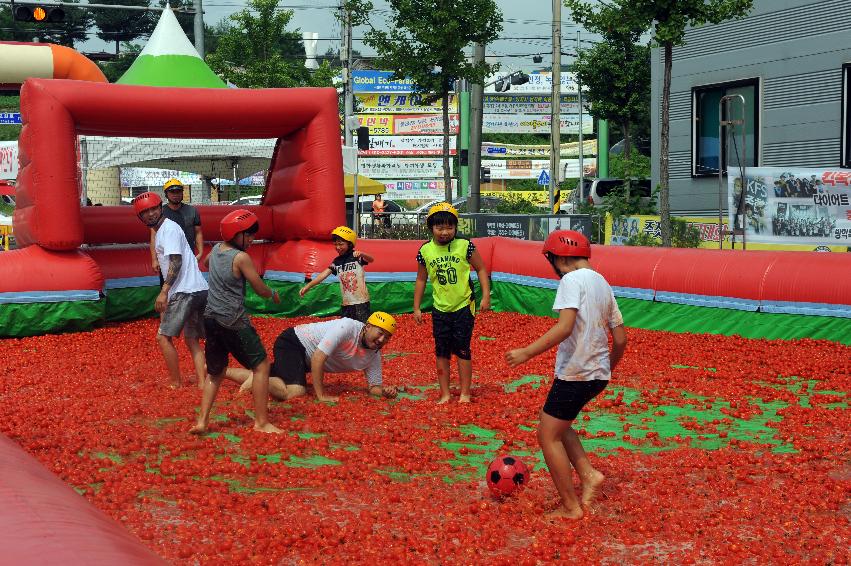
{"x": 446, "y": 261}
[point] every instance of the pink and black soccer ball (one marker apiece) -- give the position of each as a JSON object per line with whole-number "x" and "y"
{"x": 506, "y": 474}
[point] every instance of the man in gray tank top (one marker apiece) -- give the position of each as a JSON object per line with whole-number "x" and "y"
{"x": 227, "y": 326}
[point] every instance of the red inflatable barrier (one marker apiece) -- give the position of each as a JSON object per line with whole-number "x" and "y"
{"x": 632, "y": 267}
{"x": 808, "y": 277}
{"x": 37, "y": 269}
{"x": 43, "y": 521}
{"x": 306, "y": 174}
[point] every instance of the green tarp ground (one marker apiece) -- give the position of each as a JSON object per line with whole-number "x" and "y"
{"x": 32, "y": 319}
{"x": 324, "y": 300}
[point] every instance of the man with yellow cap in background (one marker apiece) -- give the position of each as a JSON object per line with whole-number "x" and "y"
{"x": 185, "y": 215}
{"x": 340, "y": 345}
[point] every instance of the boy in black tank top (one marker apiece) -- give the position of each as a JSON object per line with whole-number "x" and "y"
{"x": 228, "y": 328}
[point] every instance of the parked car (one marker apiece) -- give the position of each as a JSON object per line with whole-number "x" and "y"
{"x": 253, "y": 200}
{"x": 593, "y": 191}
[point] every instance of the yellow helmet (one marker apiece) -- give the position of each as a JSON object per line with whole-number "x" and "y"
{"x": 345, "y": 233}
{"x": 172, "y": 183}
{"x": 442, "y": 207}
{"x": 383, "y": 321}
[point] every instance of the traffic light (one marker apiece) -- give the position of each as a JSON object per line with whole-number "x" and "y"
{"x": 363, "y": 138}
{"x": 39, "y": 13}
{"x": 486, "y": 174}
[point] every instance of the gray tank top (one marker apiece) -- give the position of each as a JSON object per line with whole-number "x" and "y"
{"x": 226, "y": 298}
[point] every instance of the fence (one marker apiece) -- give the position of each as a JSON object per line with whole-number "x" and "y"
{"x": 412, "y": 225}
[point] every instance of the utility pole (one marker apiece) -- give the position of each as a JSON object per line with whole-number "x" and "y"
{"x": 199, "y": 27}
{"x": 581, "y": 141}
{"x": 476, "y": 110}
{"x": 346, "y": 59}
{"x": 462, "y": 91}
{"x": 555, "y": 110}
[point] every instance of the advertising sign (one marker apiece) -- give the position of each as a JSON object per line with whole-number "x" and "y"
{"x": 619, "y": 230}
{"x": 10, "y": 117}
{"x": 528, "y": 104}
{"x": 402, "y": 168}
{"x": 8, "y": 160}
{"x": 424, "y": 124}
{"x": 148, "y": 177}
{"x": 570, "y": 149}
{"x": 529, "y": 226}
{"x": 420, "y": 189}
{"x": 408, "y": 103}
{"x": 793, "y": 206}
{"x": 532, "y": 168}
{"x": 408, "y": 145}
{"x": 379, "y": 81}
{"x": 533, "y": 124}
{"x": 540, "y": 83}
{"x": 406, "y": 124}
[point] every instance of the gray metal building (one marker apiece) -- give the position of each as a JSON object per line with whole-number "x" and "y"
{"x": 791, "y": 60}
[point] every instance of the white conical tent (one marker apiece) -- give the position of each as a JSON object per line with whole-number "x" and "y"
{"x": 170, "y": 59}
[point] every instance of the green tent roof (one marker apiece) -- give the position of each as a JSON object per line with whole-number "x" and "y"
{"x": 169, "y": 59}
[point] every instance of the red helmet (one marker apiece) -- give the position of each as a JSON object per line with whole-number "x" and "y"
{"x": 568, "y": 243}
{"x": 145, "y": 201}
{"x": 236, "y": 222}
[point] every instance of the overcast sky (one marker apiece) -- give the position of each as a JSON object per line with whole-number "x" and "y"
{"x": 527, "y": 28}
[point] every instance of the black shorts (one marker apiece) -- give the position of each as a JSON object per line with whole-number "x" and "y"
{"x": 452, "y": 333}
{"x": 359, "y": 312}
{"x": 567, "y": 398}
{"x": 243, "y": 343}
{"x": 290, "y": 359}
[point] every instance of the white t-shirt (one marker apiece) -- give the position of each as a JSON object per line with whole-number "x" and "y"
{"x": 170, "y": 240}
{"x": 584, "y": 355}
{"x": 339, "y": 339}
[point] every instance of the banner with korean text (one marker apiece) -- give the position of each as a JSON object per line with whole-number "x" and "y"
{"x": 528, "y": 104}
{"x": 408, "y": 145}
{"x": 407, "y": 103}
{"x": 532, "y": 168}
{"x": 407, "y": 124}
{"x": 570, "y": 149}
{"x": 785, "y": 205}
{"x": 533, "y": 124}
{"x": 402, "y": 168}
{"x": 419, "y": 189}
{"x": 619, "y": 230}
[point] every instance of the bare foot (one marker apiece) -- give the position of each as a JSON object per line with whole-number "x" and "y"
{"x": 464, "y": 399}
{"x": 198, "y": 429}
{"x": 590, "y": 484}
{"x": 268, "y": 427}
{"x": 562, "y": 513}
{"x": 246, "y": 385}
{"x": 443, "y": 399}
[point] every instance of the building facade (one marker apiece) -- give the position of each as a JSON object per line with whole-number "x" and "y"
{"x": 790, "y": 61}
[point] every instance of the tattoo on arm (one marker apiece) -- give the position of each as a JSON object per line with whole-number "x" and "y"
{"x": 175, "y": 262}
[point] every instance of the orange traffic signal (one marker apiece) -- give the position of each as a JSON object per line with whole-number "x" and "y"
{"x": 39, "y": 13}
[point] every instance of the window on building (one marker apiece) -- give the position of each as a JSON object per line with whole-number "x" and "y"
{"x": 708, "y": 153}
{"x": 846, "y": 119}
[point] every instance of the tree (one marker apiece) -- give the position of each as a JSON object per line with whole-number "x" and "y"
{"x": 124, "y": 25}
{"x": 667, "y": 21}
{"x": 117, "y": 67}
{"x": 257, "y": 51}
{"x": 615, "y": 77}
{"x": 424, "y": 40}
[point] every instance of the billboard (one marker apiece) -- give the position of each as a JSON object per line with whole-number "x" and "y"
{"x": 533, "y": 124}
{"x": 408, "y": 103}
{"x": 408, "y": 145}
{"x": 407, "y": 124}
{"x": 8, "y": 160}
{"x": 418, "y": 189}
{"x": 532, "y": 168}
{"x": 782, "y": 205}
{"x": 570, "y": 149}
{"x": 379, "y": 81}
{"x": 539, "y": 83}
{"x": 528, "y": 104}
{"x": 402, "y": 168}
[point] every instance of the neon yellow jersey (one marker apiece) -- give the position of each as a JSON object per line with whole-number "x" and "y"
{"x": 449, "y": 272}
